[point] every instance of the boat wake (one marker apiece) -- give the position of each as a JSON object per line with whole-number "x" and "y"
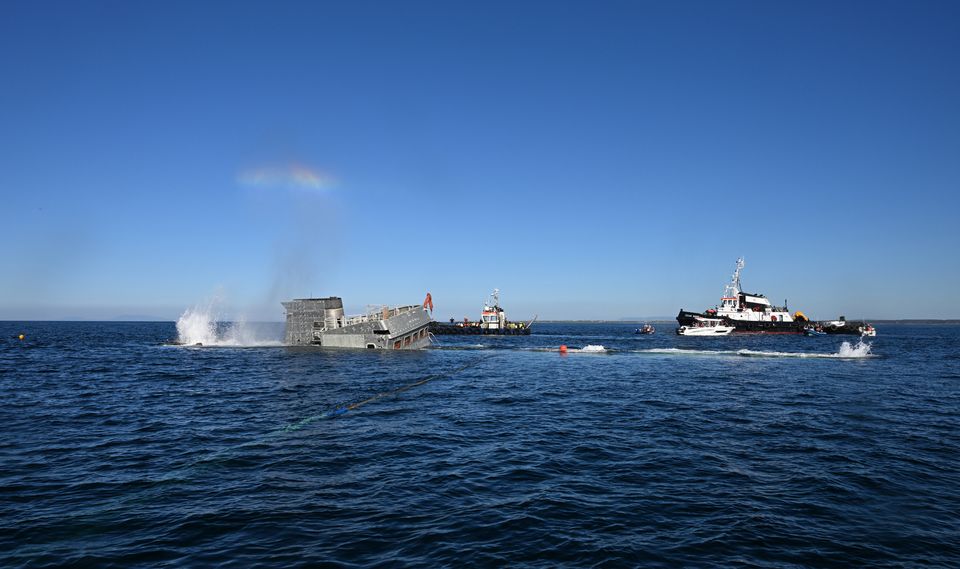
{"x": 199, "y": 326}
{"x": 588, "y": 349}
{"x": 847, "y": 351}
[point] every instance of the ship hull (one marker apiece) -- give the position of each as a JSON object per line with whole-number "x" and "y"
{"x": 745, "y": 327}
{"x": 440, "y": 328}
{"x": 685, "y": 318}
{"x": 321, "y": 322}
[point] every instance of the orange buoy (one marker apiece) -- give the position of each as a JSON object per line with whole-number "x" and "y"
{"x": 563, "y": 348}
{"x": 21, "y": 336}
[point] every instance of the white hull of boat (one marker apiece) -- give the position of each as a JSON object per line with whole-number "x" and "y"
{"x": 704, "y": 330}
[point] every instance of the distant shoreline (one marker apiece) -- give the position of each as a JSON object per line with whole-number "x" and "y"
{"x": 637, "y": 321}
{"x": 661, "y": 321}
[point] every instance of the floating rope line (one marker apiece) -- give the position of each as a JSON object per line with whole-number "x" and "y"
{"x": 338, "y": 411}
{"x": 155, "y": 487}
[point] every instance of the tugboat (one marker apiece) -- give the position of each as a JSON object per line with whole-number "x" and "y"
{"x": 752, "y": 312}
{"x": 493, "y": 320}
{"x": 748, "y": 312}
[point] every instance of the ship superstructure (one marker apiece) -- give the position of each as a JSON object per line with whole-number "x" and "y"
{"x": 749, "y": 307}
{"x": 322, "y": 322}
{"x": 492, "y": 317}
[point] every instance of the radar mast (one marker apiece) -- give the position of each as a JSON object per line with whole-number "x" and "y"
{"x": 732, "y": 290}
{"x": 494, "y": 299}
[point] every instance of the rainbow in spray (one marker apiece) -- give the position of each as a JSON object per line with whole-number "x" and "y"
{"x": 292, "y": 176}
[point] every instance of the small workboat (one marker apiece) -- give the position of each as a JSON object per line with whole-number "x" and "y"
{"x": 868, "y": 330}
{"x": 705, "y": 327}
{"x": 814, "y": 331}
{"x": 645, "y": 329}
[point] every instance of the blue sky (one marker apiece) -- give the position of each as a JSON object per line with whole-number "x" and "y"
{"x": 590, "y": 159}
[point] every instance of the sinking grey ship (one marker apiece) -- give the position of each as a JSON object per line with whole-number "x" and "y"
{"x": 322, "y": 322}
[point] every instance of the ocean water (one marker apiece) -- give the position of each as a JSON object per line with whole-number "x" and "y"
{"x": 121, "y": 450}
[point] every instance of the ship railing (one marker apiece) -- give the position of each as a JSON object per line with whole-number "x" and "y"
{"x": 376, "y": 312}
{"x": 359, "y": 319}
{"x": 380, "y": 312}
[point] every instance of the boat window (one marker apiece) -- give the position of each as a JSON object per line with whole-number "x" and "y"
{"x": 406, "y": 341}
{"x": 396, "y": 345}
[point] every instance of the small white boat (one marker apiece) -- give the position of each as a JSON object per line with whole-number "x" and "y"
{"x": 868, "y": 330}
{"x": 705, "y": 327}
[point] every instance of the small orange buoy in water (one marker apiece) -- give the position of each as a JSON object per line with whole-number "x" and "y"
{"x": 563, "y": 348}
{"x": 21, "y": 336}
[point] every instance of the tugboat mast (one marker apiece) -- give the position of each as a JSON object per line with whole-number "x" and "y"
{"x": 732, "y": 289}
{"x": 495, "y": 298}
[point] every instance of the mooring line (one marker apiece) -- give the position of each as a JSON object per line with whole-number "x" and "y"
{"x": 154, "y": 487}
{"x": 338, "y": 411}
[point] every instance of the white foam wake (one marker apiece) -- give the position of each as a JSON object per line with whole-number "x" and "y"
{"x": 199, "y": 326}
{"x": 860, "y": 350}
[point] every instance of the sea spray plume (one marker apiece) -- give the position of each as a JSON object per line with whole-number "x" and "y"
{"x": 301, "y": 262}
{"x": 860, "y": 350}
{"x": 306, "y": 245}
{"x": 201, "y": 324}
{"x": 197, "y": 325}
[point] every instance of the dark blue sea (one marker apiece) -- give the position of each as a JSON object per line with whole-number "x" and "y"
{"x": 119, "y": 449}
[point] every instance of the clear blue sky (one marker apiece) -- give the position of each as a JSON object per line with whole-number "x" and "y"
{"x": 590, "y": 159}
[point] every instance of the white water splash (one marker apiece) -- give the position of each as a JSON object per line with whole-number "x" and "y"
{"x": 593, "y": 348}
{"x": 200, "y": 326}
{"x": 860, "y": 350}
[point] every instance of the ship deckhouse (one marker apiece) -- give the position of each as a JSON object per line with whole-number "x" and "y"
{"x": 748, "y": 307}
{"x": 493, "y": 317}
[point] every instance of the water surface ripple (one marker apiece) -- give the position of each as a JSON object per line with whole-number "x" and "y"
{"x": 119, "y": 450}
